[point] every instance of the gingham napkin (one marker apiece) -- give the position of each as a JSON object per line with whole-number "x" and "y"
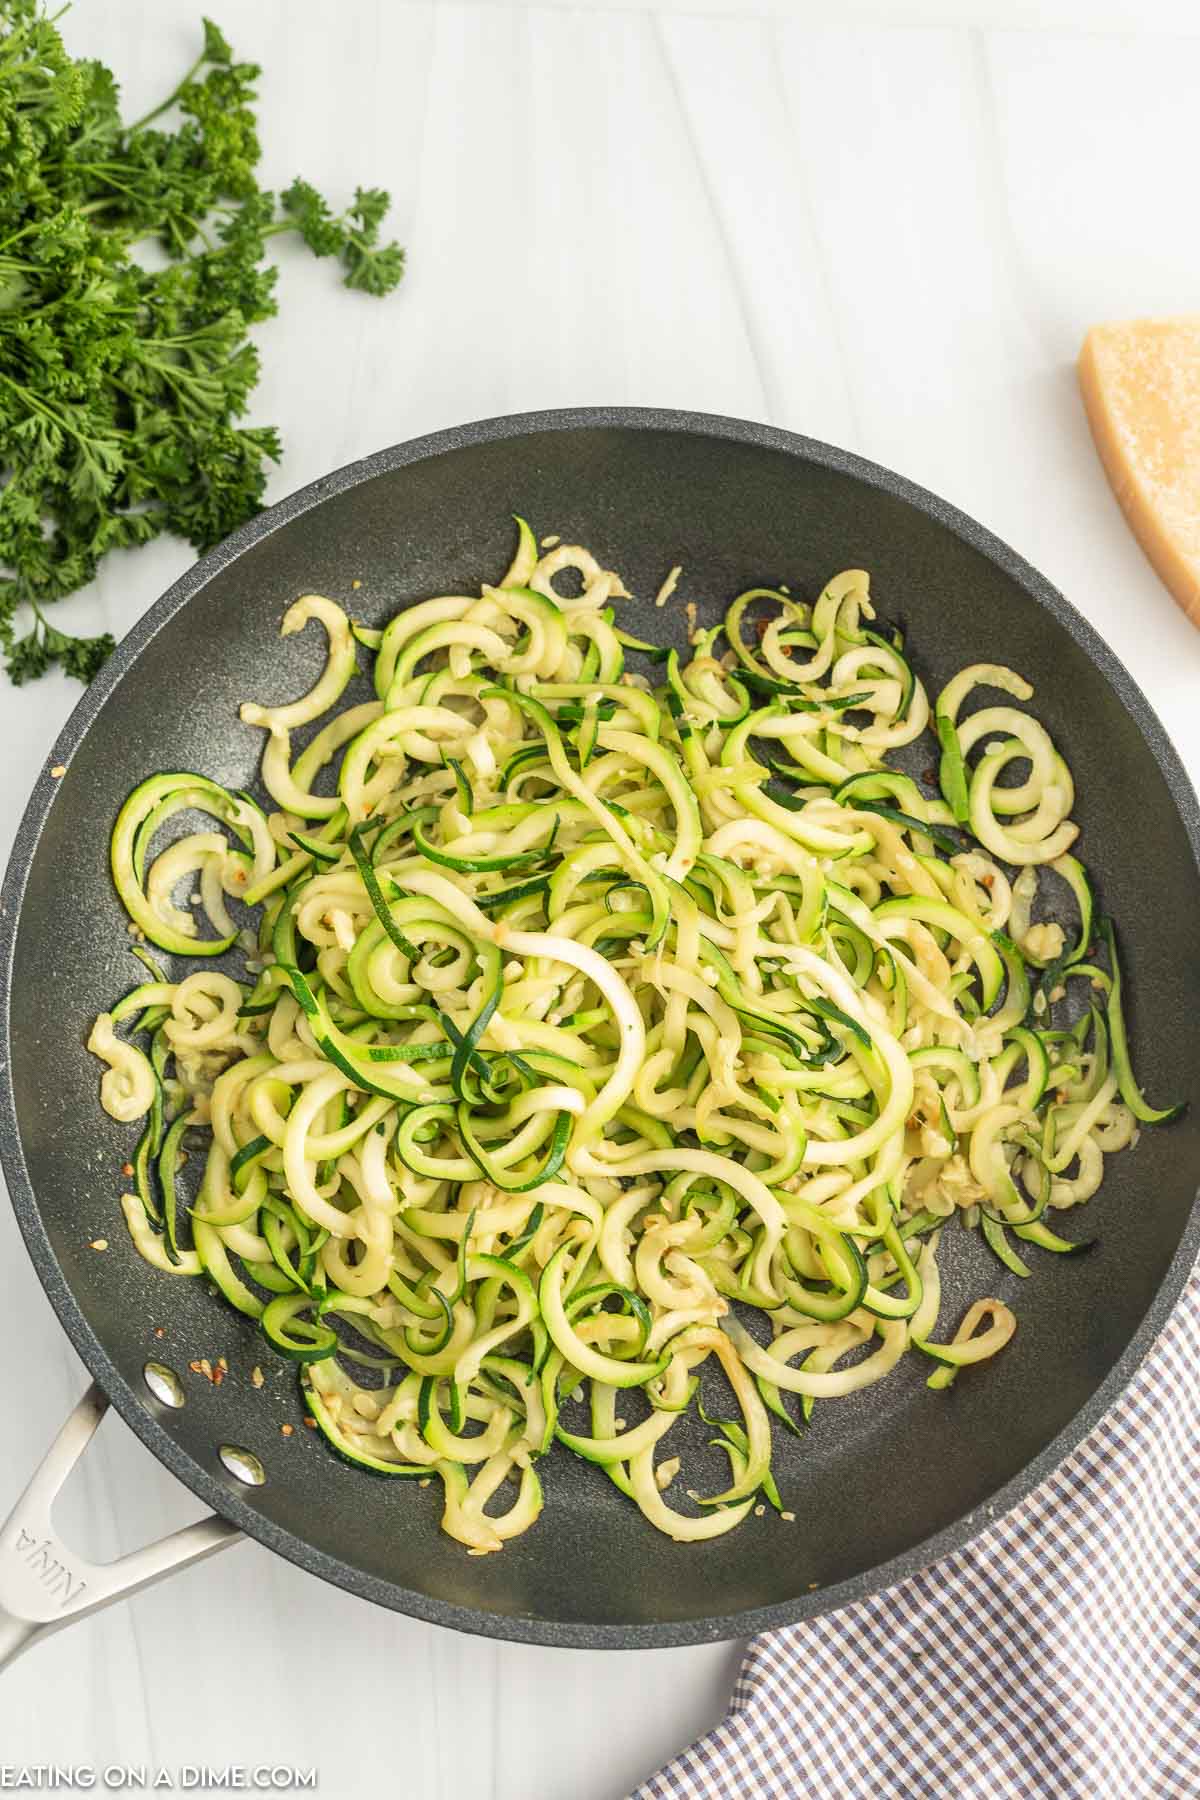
{"x": 1058, "y": 1655}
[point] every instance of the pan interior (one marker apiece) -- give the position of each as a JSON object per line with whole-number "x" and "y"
{"x": 879, "y": 1472}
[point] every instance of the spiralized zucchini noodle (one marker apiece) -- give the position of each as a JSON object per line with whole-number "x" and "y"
{"x": 609, "y": 1014}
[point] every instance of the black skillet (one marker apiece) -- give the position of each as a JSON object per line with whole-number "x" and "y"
{"x": 887, "y": 1480}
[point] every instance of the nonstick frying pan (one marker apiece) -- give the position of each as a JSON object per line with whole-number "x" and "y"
{"x": 888, "y": 1479}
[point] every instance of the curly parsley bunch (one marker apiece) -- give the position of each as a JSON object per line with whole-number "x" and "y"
{"x": 121, "y": 386}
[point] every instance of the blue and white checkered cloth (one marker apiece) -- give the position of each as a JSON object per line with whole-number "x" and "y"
{"x": 1057, "y": 1655}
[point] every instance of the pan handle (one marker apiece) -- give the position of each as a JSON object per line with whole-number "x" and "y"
{"x": 43, "y": 1584}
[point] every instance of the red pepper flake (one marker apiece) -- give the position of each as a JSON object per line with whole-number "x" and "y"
{"x": 287, "y": 1430}
{"x": 310, "y": 1421}
{"x": 159, "y": 1331}
{"x": 127, "y": 1169}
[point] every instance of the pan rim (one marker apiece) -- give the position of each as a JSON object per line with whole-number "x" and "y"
{"x": 209, "y": 1488}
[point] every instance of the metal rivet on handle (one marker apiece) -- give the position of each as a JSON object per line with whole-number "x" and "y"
{"x": 243, "y": 1464}
{"x": 164, "y": 1384}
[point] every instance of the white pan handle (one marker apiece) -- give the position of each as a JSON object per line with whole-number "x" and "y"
{"x": 43, "y": 1584}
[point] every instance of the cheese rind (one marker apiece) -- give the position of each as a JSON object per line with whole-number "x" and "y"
{"x": 1141, "y": 388}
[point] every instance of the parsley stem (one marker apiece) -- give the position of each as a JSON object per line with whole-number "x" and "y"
{"x": 147, "y": 118}
{"x": 14, "y": 236}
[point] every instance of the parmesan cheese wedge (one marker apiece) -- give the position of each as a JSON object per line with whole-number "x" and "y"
{"x": 1141, "y": 388}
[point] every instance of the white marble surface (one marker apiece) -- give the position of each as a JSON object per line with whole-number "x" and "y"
{"x": 885, "y": 223}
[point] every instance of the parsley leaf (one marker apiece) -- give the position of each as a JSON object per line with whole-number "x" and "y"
{"x": 216, "y": 48}
{"x": 353, "y": 235}
{"x": 123, "y": 389}
{"x": 42, "y": 646}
